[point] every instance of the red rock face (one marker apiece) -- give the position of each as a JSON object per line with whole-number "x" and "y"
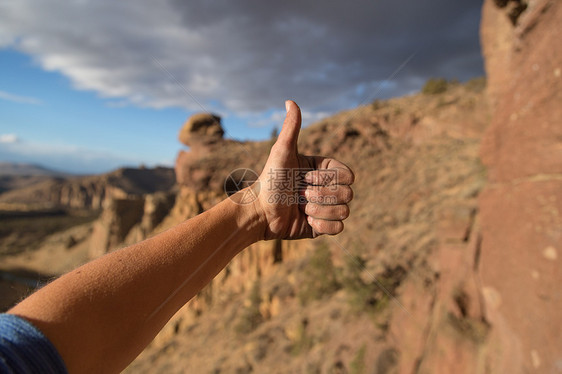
{"x": 521, "y": 207}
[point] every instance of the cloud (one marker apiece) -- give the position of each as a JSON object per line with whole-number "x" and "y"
{"x": 19, "y": 99}
{"x": 8, "y": 138}
{"x": 247, "y": 56}
{"x": 276, "y": 118}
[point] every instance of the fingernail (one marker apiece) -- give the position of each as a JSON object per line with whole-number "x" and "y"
{"x": 309, "y": 220}
{"x": 287, "y": 106}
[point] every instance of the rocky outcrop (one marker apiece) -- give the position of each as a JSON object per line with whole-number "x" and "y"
{"x": 201, "y": 129}
{"x": 211, "y": 158}
{"x": 521, "y": 207}
{"x": 129, "y": 220}
{"x": 91, "y": 192}
{"x": 117, "y": 219}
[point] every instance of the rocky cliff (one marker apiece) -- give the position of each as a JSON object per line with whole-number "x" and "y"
{"x": 521, "y": 206}
{"x": 413, "y": 228}
{"x": 90, "y": 192}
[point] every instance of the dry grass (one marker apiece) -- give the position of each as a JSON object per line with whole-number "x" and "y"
{"x": 25, "y": 232}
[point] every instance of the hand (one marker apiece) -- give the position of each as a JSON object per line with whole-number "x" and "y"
{"x": 318, "y": 206}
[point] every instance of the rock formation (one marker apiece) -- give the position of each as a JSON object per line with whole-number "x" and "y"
{"x": 201, "y": 129}
{"x": 117, "y": 219}
{"x": 211, "y": 158}
{"x": 521, "y": 207}
{"x": 91, "y": 192}
{"x": 128, "y": 220}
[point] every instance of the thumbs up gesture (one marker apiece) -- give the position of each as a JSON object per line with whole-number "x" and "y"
{"x": 301, "y": 196}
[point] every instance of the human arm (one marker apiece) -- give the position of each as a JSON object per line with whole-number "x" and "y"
{"x": 101, "y": 315}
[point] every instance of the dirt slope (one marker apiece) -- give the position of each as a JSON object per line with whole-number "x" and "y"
{"x": 370, "y": 298}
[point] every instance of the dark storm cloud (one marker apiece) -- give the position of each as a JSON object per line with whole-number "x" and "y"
{"x": 246, "y": 57}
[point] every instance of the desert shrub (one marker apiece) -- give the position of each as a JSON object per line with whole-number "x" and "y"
{"x": 377, "y": 104}
{"x": 387, "y": 361}
{"x": 442, "y": 102}
{"x": 371, "y": 295}
{"x": 357, "y": 365}
{"x": 274, "y": 134}
{"x": 319, "y": 276}
{"x": 435, "y": 86}
{"x": 476, "y": 84}
{"x": 251, "y": 317}
{"x": 304, "y": 341}
{"x": 360, "y": 293}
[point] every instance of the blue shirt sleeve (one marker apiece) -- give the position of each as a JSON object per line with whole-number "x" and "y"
{"x": 24, "y": 349}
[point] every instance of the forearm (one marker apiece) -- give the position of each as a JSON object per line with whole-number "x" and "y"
{"x": 107, "y": 311}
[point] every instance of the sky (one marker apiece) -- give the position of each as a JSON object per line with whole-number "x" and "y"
{"x": 87, "y": 86}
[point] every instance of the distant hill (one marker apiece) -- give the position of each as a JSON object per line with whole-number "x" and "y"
{"x": 20, "y": 175}
{"x": 64, "y": 190}
{"x": 22, "y": 169}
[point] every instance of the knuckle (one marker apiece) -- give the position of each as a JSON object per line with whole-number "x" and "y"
{"x": 324, "y": 195}
{"x": 309, "y": 193}
{"x": 321, "y": 226}
{"x": 347, "y": 194}
{"x": 318, "y": 227}
{"x": 339, "y": 227}
{"x": 335, "y": 228}
{"x": 311, "y": 209}
{"x": 351, "y": 176}
{"x": 345, "y": 212}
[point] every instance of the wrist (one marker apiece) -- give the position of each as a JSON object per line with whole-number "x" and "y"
{"x": 261, "y": 221}
{"x": 250, "y": 217}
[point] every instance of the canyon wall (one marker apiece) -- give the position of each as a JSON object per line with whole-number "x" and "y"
{"x": 521, "y": 207}
{"x": 91, "y": 192}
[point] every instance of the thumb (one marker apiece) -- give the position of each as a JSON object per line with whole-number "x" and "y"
{"x": 290, "y": 131}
